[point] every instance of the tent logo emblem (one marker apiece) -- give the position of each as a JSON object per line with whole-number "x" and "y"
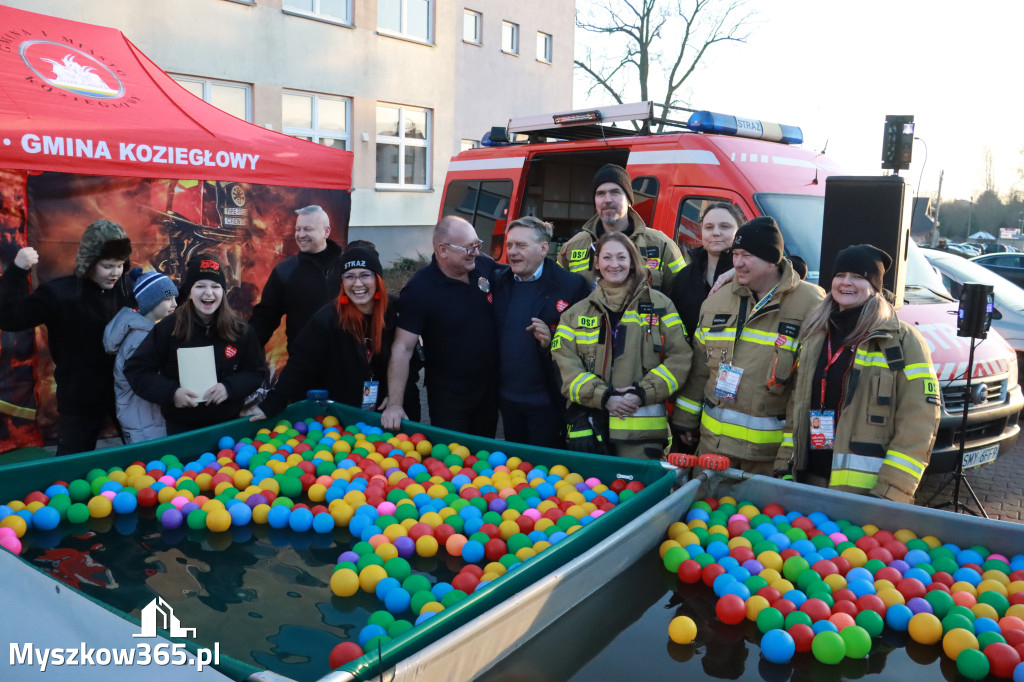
{"x": 159, "y": 613}
{"x": 69, "y": 69}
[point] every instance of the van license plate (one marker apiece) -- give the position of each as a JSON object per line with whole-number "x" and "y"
{"x": 975, "y": 458}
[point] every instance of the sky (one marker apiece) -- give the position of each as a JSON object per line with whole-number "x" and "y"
{"x": 836, "y": 68}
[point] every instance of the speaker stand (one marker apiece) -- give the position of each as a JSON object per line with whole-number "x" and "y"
{"x": 958, "y": 475}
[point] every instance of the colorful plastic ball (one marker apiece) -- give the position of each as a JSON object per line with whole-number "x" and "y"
{"x": 682, "y": 630}
{"x": 125, "y": 503}
{"x": 472, "y": 551}
{"x": 973, "y": 664}
{"x": 828, "y": 647}
{"x": 731, "y": 609}
{"x": 898, "y": 617}
{"x": 218, "y": 520}
{"x": 171, "y": 518}
{"x": 397, "y": 600}
{"x": 46, "y": 518}
{"x": 958, "y": 640}
{"x": 1002, "y": 659}
{"x": 100, "y": 507}
{"x": 324, "y": 523}
{"x": 803, "y": 636}
{"x": 344, "y": 582}
{"x": 925, "y": 628}
{"x": 343, "y": 653}
{"x": 300, "y": 520}
{"x": 871, "y": 621}
{"x": 769, "y": 619}
{"x": 858, "y": 641}
{"x": 778, "y": 646}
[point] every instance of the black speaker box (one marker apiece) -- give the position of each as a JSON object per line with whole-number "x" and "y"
{"x": 867, "y": 210}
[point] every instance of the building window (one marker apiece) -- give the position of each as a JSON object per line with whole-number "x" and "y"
{"x": 509, "y": 37}
{"x": 317, "y": 118}
{"x": 472, "y": 27}
{"x": 544, "y": 47}
{"x": 338, "y": 11}
{"x": 234, "y": 98}
{"x": 403, "y": 147}
{"x": 408, "y": 18}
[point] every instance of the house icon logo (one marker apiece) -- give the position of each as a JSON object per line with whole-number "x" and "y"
{"x": 159, "y": 613}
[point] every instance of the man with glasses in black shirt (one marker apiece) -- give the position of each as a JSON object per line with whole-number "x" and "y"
{"x": 449, "y": 304}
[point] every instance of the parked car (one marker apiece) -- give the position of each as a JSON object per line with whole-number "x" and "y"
{"x": 960, "y": 250}
{"x": 1009, "y": 265}
{"x": 1008, "y": 315}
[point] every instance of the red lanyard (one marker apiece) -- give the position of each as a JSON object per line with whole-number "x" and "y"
{"x": 831, "y": 359}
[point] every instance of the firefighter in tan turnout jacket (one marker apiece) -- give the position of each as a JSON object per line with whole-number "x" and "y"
{"x": 622, "y": 353}
{"x": 613, "y": 199}
{"x": 744, "y": 354}
{"x": 866, "y": 403}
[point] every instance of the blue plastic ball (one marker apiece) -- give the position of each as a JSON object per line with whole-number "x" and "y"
{"x": 472, "y": 551}
{"x": 323, "y": 523}
{"x": 300, "y": 520}
{"x": 241, "y": 514}
{"x": 369, "y": 632}
{"x": 824, "y": 625}
{"x": 386, "y": 585}
{"x": 397, "y": 600}
{"x": 46, "y": 518}
{"x": 278, "y": 516}
{"x": 778, "y": 646}
{"x": 226, "y": 443}
{"x": 898, "y": 617}
{"x": 125, "y": 503}
{"x": 426, "y": 615}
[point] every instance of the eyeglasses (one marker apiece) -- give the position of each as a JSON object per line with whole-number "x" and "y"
{"x": 361, "y": 277}
{"x": 475, "y": 246}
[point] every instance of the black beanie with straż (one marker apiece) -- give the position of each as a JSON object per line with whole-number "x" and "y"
{"x": 761, "y": 238}
{"x": 617, "y": 174}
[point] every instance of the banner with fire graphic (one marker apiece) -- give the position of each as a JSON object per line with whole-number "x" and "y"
{"x": 249, "y": 226}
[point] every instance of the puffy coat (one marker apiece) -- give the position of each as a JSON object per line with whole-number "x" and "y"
{"x": 662, "y": 255}
{"x": 152, "y": 372}
{"x": 887, "y": 423}
{"x": 140, "y": 419}
{"x": 655, "y": 357}
{"x": 690, "y": 289}
{"x": 750, "y": 427}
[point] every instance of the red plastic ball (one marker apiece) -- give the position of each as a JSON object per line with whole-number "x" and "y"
{"x": 490, "y": 530}
{"x": 888, "y": 573}
{"x": 689, "y": 571}
{"x": 803, "y": 523}
{"x": 842, "y": 564}
{"x": 712, "y": 502}
{"x": 466, "y": 582}
{"x": 784, "y": 606}
{"x": 816, "y": 609}
{"x": 866, "y": 543}
{"x": 938, "y": 586}
{"x": 824, "y": 568}
{"x": 802, "y": 635}
{"x": 788, "y": 552}
{"x": 635, "y": 486}
{"x": 418, "y": 530}
{"x": 343, "y": 653}
{"x": 773, "y": 510}
{"x": 883, "y": 537}
{"x": 872, "y": 602}
{"x": 1013, "y": 637}
{"x": 731, "y": 609}
{"x": 1016, "y": 598}
{"x": 910, "y": 588}
{"x": 147, "y": 497}
{"x": 442, "y": 533}
{"x": 36, "y": 496}
{"x": 737, "y": 528}
{"x": 1002, "y": 659}
{"x": 710, "y": 572}
{"x": 896, "y": 548}
{"x": 844, "y": 593}
{"x": 472, "y": 569}
{"x": 845, "y": 606}
{"x": 882, "y": 554}
{"x": 495, "y": 549}
{"x": 769, "y": 593}
{"x": 741, "y": 553}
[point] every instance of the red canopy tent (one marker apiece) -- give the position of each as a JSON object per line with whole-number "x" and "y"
{"x": 91, "y": 128}
{"x": 80, "y": 98}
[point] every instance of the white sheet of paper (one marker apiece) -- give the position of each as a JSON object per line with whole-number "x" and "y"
{"x": 197, "y": 370}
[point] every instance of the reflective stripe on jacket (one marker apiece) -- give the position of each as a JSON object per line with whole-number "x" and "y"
{"x": 751, "y": 426}
{"x": 886, "y": 427}
{"x": 656, "y": 357}
{"x": 662, "y": 255}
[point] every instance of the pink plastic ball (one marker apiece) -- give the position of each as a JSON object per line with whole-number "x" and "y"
{"x": 109, "y": 494}
{"x": 11, "y": 544}
{"x": 597, "y": 512}
{"x": 593, "y": 481}
{"x": 168, "y": 480}
{"x": 838, "y": 537}
{"x": 180, "y": 501}
{"x": 533, "y": 514}
{"x": 739, "y": 517}
{"x": 386, "y": 508}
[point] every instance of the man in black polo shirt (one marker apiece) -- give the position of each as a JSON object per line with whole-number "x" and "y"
{"x": 530, "y": 296}
{"x": 300, "y": 284}
{"x": 450, "y": 305}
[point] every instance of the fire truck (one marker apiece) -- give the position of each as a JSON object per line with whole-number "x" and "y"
{"x": 543, "y": 165}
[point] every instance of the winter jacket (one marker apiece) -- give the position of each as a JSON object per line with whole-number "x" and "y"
{"x": 297, "y": 288}
{"x": 76, "y": 312}
{"x": 690, "y": 289}
{"x": 661, "y": 254}
{"x": 559, "y": 289}
{"x": 152, "y": 372}
{"x": 327, "y": 357}
{"x": 140, "y": 419}
{"x": 749, "y": 427}
{"x": 655, "y": 358}
{"x": 887, "y": 420}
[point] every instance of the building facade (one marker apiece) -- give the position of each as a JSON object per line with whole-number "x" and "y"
{"x": 403, "y": 84}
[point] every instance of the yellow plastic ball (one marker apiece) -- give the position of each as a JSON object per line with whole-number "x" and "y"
{"x": 218, "y": 520}
{"x": 100, "y": 507}
{"x": 756, "y": 604}
{"x": 19, "y": 526}
{"x": 925, "y": 628}
{"x": 682, "y": 630}
{"x": 370, "y": 576}
{"x": 957, "y": 640}
{"x": 426, "y": 546}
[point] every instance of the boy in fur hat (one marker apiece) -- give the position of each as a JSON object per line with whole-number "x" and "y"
{"x": 75, "y": 310}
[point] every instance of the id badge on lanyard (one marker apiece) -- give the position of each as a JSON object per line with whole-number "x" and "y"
{"x": 823, "y": 429}
{"x": 728, "y": 383}
{"x": 370, "y": 394}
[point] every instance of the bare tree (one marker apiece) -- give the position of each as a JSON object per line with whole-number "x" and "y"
{"x": 655, "y": 42}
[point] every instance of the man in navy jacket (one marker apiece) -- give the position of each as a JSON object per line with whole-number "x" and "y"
{"x": 530, "y": 296}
